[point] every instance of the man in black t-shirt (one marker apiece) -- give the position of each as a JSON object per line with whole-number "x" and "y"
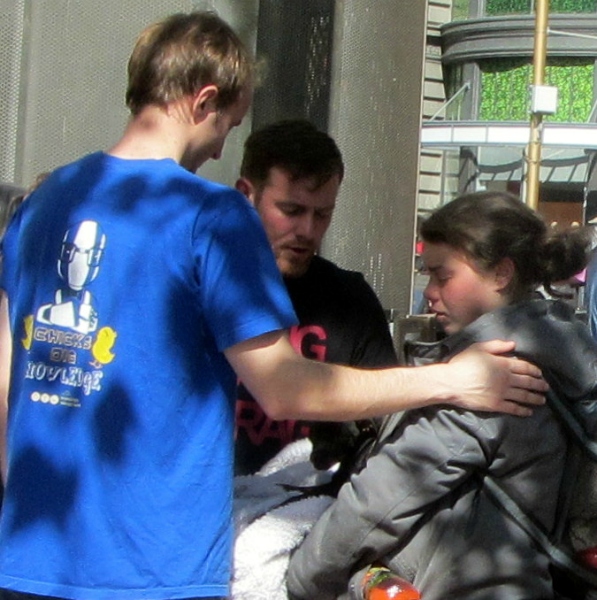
{"x": 292, "y": 172}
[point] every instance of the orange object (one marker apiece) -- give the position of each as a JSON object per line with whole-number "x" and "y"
{"x": 380, "y": 583}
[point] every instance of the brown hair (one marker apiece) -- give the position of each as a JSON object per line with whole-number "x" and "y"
{"x": 179, "y": 55}
{"x": 490, "y": 226}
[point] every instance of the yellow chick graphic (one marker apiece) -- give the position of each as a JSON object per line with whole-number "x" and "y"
{"x": 28, "y": 325}
{"x": 101, "y": 349}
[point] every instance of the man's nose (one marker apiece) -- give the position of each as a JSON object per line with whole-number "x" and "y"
{"x": 306, "y": 226}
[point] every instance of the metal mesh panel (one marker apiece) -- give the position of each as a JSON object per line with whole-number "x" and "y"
{"x": 355, "y": 65}
{"x": 76, "y": 76}
{"x": 375, "y": 117}
{"x": 294, "y": 41}
{"x": 355, "y": 68}
{"x": 11, "y": 34}
{"x": 73, "y": 75}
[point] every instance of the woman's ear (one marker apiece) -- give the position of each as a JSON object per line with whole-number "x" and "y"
{"x": 204, "y": 102}
{"x": 504, "y": 273}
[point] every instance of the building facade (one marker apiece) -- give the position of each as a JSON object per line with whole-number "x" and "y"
{"x": 482, "y": 131}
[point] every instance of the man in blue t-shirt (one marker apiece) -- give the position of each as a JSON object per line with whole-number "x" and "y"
{"x": 134, "y": 294}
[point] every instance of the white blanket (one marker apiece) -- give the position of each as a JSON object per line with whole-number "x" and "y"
{"x": 266, "y": 531}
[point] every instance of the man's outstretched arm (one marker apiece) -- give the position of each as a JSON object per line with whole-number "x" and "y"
{"x": 289, "y": 386}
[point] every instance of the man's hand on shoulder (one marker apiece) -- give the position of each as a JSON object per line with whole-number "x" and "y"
{"x": 488, "y": 381}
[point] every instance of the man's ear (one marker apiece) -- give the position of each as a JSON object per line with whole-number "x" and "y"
{"x": 204, "y": 102}
{"x": 244, "y": 186}
{"x": 504, "y": 273}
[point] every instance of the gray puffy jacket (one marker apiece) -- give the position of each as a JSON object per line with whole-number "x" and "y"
{"x": 420, "y": 507}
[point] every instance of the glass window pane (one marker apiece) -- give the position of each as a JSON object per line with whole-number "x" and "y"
{"x": 505, "y": 84}
{"x": 512, "y": 7}
{"x": 453, "y": 82}
{"x": 508, "y": 7}
{"x": 574, "y": 80}
{"x": 572, "y": 6}
{"x": 504, "y": 90}
{"x": 460, "y": 10}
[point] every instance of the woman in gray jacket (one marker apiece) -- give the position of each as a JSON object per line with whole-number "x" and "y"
{"x": 419, "y": 506}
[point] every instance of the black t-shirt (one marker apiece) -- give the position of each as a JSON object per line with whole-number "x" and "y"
{"x": 341, "y": 321}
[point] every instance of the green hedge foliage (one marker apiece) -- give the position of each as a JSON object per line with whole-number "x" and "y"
{"x": 505, "y": 89}
{"x": 508, "y": 7}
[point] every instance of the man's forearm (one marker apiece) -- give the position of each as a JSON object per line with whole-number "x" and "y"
{"x": 291, "y": 387}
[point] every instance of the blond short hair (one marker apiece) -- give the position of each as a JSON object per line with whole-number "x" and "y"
{"x": 181, "y": 54}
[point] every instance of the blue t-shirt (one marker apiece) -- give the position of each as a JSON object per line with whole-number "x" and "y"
{"x": 126, "y": 280}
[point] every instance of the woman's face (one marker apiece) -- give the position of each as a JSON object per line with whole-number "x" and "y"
{"x": 459, "y": 291}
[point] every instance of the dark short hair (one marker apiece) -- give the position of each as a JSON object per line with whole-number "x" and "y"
{"x": 179, "y": 55}
{"x": 295, "y": 146}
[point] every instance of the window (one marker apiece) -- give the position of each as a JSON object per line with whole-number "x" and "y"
{"x": 515, "y": 7}
{"x": 572, "y": 6}
{"x": 460, "y": 10}
{"x": 505, "y": 84}
{"x": 508, "y": 7}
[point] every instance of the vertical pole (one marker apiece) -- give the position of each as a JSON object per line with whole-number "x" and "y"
{"x": 536, "y": 125}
